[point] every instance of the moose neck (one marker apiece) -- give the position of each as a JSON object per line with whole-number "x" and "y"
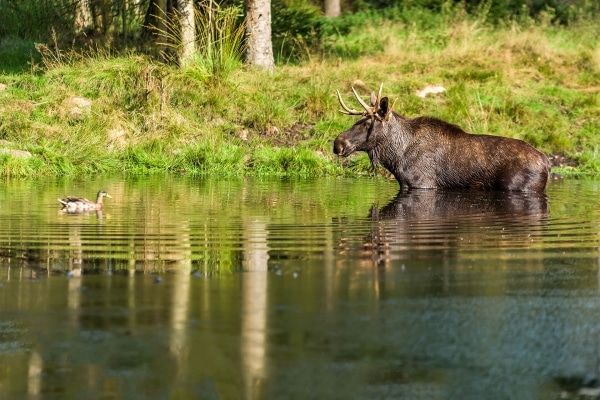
{"x": 393, "y": 141}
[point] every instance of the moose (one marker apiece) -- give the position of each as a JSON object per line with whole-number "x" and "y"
{"x": 429, "y": 153}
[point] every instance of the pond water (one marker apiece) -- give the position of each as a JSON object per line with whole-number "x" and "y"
{"x": 295, "y": 289}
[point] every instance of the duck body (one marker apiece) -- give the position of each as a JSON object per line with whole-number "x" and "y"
{"x": 81, "y": 204}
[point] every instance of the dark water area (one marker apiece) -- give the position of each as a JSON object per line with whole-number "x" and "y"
{"x": 195, "y": 288}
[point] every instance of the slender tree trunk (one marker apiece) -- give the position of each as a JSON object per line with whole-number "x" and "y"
{"x": 83, "y": 16}
{"x": 102, "y": 12}
{"x": 159, "y": 28}
{"x": 258, "y": 34}
{"x": 188, "y": 30}
{"x": 150, "y": 20}
{"x": 124, "y": 15}
{"x": 332, "y": 8}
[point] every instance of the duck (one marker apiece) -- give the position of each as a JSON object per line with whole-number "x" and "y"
{"x": 81, "y": 204}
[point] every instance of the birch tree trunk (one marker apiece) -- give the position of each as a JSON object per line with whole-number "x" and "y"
{"x": 258, "y": 34}
{"x": 83, "y": 16}
{"x": 332, "y": 8}
{"x": 188, "y": 30}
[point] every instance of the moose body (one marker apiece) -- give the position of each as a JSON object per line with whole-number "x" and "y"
{"x": 429, "y": 153}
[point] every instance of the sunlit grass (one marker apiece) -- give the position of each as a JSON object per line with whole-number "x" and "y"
{"x": 219, "y": 45}
{"x": 534, "y": 81}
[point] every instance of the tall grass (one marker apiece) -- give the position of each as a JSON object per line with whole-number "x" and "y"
{"x": 220, "y": 41}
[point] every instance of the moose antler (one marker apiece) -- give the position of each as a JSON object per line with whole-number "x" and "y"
{"x": 389, "y": 112}
{"x": 376, "y": 101}
{"x": 347, "y": 110}
{"x": 369, "y": 111}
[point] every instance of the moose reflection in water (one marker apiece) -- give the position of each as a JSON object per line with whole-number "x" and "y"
{"x": 455, "y": 205}
{"x": 443, "y": 220}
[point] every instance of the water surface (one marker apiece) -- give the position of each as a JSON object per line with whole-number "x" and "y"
{"x": 327, "y": 288}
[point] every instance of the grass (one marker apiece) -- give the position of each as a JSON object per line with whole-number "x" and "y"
{"x": 529, "y": 80}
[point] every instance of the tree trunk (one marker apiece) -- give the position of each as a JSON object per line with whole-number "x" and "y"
{"x": 332, "y": 8}
{"x": 150, "y": 21}
{"x": 83, "y": 17}
{"x": 188, "y": 30}
{"x": 157, "y": 27}
{"x": 258, "y": 34}
{"x": 124, "y": 16}
{"x": 102, "y": 14}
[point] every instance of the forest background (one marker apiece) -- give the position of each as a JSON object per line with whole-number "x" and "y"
{"x": 114, "y": 87}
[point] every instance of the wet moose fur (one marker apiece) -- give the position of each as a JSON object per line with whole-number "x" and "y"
{"x": 426, "y": 152}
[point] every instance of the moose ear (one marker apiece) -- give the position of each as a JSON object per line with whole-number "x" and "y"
{"x": 383, "y": 107}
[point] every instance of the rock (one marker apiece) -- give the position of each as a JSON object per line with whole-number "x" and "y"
{"x": 431, "y": 89}
{"x": 116, "y": 138}
{"x": 15, "y": 153}
{"x": 360, "y": 85}
{"x": 82, "y": 103}
{"x": 79, "y": 107}
{"x": 272, "y": 130}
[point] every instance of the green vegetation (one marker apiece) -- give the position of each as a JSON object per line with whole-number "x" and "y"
{"x": 100, "y": 112}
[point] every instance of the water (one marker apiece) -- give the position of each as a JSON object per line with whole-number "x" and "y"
{"x": 330, "y": 288}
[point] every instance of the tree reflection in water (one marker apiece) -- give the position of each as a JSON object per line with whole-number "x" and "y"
{"x": 254, "y": 304}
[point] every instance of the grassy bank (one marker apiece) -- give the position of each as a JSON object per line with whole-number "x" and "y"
{"x": 98, "y": 113}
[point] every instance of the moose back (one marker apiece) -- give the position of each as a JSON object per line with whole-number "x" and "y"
{"x": 425, "y": 152}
